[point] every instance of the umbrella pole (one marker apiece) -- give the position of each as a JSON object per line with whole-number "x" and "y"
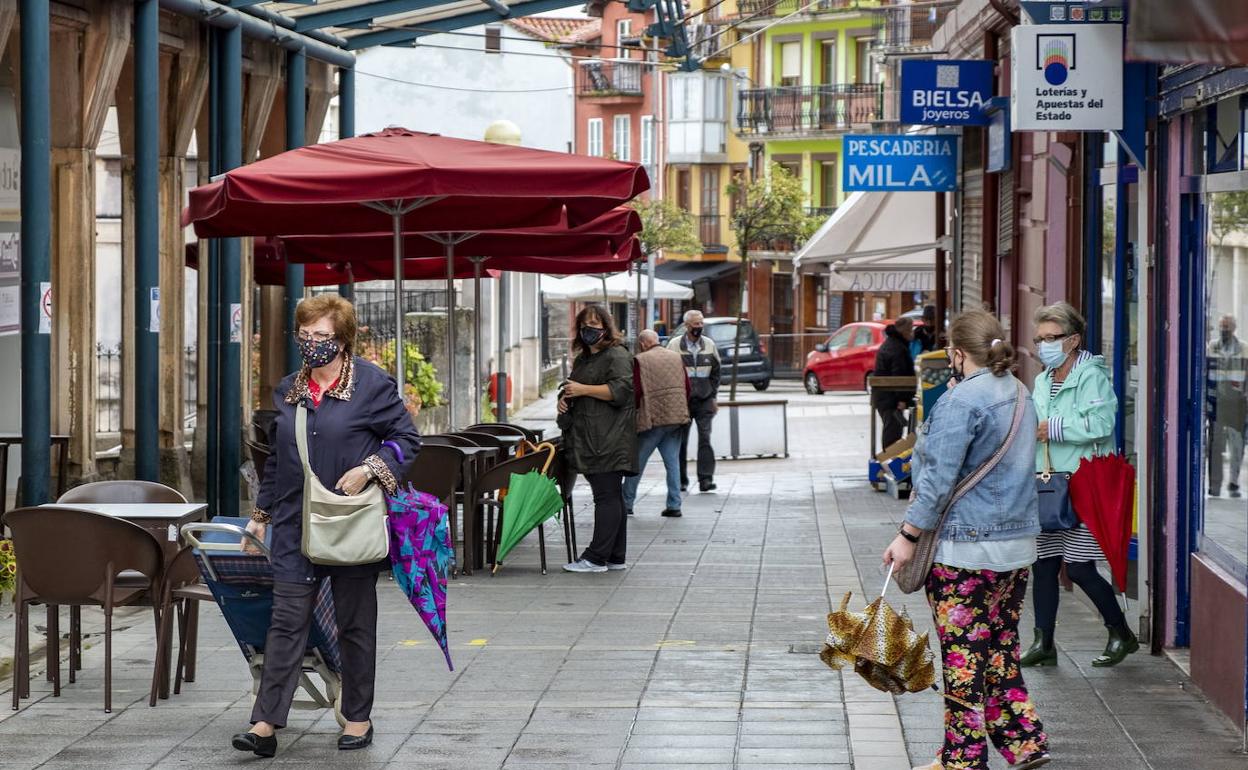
{"x": 450, "y": 331}
{"x": 476, "y": 340}
{"x": 397, "y": 218}
{"x": 606, "y": 301}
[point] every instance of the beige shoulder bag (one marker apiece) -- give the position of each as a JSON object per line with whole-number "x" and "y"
{"x": 339, "y": 530}
{"x": 913, "y": 576}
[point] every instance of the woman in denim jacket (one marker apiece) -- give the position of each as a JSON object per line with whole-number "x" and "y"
{"x": 988, "y": 541}
{"x": 1077, "y": 408}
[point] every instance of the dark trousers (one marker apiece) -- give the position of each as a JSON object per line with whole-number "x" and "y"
{"x": 894, "y": 425}
{"x": 1044, "y": 592}
{"x": 610, "y": 522}
{"x": 355, "y": 608}
{"x": 702, "y": 413}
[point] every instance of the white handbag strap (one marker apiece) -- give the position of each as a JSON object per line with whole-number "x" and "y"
{"x": 301, "y": 436}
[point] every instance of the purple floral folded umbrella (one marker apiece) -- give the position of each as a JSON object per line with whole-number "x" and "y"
{"x": 420, "y": 556}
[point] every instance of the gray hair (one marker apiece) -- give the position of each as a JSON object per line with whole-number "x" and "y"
{"x": 1064, "y": 315}
{"x": 648, "y": 336}
{"x": 693, "y": 315}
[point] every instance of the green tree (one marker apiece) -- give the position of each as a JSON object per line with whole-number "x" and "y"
{"x": 770, "y": 208}
{"x": 664, "y": 227}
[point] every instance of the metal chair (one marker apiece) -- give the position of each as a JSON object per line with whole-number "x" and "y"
{"x": 501, "y": 429}
{"x": 72, "y": 557}
{"x": 181, "y": 587}
{"x": 498, "y": 478}
{"x": 128, "y": 491}
{"x": 447, "y": 439}
{"x": 438, "y": 470}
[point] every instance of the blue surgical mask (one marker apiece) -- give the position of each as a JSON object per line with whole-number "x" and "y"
{"x": 1051, "y": 354}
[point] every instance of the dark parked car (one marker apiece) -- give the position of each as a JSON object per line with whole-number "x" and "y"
{"x": 754, "y": 366}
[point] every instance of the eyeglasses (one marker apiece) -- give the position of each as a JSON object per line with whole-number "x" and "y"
{"x": 314, "y": 336}
{"x": 1049, "y": 338}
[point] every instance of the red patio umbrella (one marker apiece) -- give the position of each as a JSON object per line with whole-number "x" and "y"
{"x": 269, "y": 267}
{"x": 1102, "y": 491}
{"x": 406, "y": 181}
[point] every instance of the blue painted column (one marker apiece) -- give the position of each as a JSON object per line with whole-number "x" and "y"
{"x": 346, "y": 128}
{"x": 209, "y": 259}
{"x": 234, "y": 338}
{"x": 146, "y": 238}
{"x": 296, "y": 133}
{"x": 36, "y": 192}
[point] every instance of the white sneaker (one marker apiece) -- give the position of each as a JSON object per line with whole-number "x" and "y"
{"x": 613, "y": 567}
{"x": 584, "y": 565}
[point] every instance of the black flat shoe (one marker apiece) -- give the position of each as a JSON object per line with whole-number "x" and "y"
{"x": 353, "y": 742}
{"x": 671, "y": 513}
{"x": 256, "y": 744}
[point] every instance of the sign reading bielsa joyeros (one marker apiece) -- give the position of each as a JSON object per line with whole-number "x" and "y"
{"x": 900, "y": 162}
{"x": 945, "y": 93}
{"x": 1067, "y": 77}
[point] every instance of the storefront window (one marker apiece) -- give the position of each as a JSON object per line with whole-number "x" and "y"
{"x": 1225, "y": 527}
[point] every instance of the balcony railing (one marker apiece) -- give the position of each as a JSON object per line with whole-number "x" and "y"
{"x": 767, "y": 8}
{"x": 708, "y": 41}
{"x": 609, "y": 77}
{"x": 808, "y": 109}
{"x": 709, "y": 231}
{"x": 906, "y": 29}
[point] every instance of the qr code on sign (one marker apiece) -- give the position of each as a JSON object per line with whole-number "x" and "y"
{"x": 946, "y": 76}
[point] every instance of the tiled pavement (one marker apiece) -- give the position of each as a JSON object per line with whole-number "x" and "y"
{"x": 699, "y": 656}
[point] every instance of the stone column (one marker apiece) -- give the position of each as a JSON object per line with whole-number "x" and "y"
{"x": 88, "y": 50}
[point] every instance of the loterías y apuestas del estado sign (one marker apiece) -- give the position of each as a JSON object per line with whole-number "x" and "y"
{"x": 1066, "y": 77}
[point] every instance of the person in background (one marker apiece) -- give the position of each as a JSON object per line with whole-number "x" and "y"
{"x": 662, "y": 389}
{"x": 598, "y": 417}
{"x": 978, "y": 581}
{"x": 702, "y": 365}
{"x": 893, "y": 360}
{"x": 927, "y": 336}
{"x": 353, "y": 407}
{"x": 1077, "y": 409}
{"x": 1228, "y": 370}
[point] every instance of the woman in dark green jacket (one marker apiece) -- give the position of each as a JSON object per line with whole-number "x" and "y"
{"x": 598, "y": 417}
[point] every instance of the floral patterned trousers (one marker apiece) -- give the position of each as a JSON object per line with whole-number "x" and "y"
{"x": 977, "y": 615}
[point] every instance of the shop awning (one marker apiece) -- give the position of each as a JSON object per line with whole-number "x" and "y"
{"x": 1208, "y": 31}
{"x": 877, "y": 241}
{"x": 688, "y": 273}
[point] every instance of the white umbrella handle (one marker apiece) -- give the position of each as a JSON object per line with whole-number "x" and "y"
{"x": 887, "y": 578}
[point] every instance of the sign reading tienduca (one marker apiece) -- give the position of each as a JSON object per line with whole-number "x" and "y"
{"x": 900, "y": 162}
{"x": 1067, "y": 77}
{"x": 945, "y": 93}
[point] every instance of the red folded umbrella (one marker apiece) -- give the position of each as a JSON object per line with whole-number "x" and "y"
{"x": 435, "y": 183}
{"x": 1102, "y": 491}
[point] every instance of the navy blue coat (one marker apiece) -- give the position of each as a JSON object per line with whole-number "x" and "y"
{"x": 345, "y": 431}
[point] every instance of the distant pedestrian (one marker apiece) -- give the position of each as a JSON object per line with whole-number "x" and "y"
{"x": 893, "y": 360}
{"x": 927, "y": 336}
{"x": 1227, "y": 358}
{"x": 662, "y": 415}
{"x": 598, "y": 417}
{"x": 1077, "y": 408}
{"x": 353, "y": 407}
{"x": 979, "y": 576}
{"x": 702, "y": 366}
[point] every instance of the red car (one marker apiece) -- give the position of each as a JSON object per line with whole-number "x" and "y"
{"x": 845, "y": 361}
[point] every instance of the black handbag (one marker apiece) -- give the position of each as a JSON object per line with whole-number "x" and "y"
{"x": 1053, "y": 489}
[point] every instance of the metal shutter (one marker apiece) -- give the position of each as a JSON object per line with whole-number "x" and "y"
{"x": 971, "y": 292}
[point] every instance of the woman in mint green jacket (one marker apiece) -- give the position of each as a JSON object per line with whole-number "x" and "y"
{"x": 1077, "y": 408}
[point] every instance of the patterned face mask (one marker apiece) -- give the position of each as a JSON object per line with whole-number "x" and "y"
{"x": 318, "y": 353}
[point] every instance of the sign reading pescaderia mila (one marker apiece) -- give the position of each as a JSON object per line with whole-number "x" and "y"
{"x": 945, "y": 93}
{"x": 900, "y": 163}
{"x": 1066, "y": 77}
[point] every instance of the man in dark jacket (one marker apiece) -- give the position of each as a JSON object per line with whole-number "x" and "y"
{"x": 893, "y": 360}
{"x": 702, "y": 366}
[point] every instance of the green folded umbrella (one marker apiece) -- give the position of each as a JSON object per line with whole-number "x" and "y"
{"x": 532, "y": 498}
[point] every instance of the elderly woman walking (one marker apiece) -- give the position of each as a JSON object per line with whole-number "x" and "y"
{"x": 979, "y": 444}
{"x": 353, "y": 409}
{"x": 1077, "y": 409}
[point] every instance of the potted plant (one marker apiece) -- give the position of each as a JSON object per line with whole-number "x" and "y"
{"x": 421, "y": 387}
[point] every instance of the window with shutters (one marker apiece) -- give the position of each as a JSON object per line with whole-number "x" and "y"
{"x": 791, "y": 64}
{"x": 594, "y": 137}
{"x": 621, "y": 137}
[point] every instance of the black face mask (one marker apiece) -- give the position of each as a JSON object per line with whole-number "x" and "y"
{"x": 695, "y": 332}
{"x": 591, "y": 336}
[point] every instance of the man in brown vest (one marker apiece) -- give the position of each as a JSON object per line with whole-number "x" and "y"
{"x": 662, "y": 390}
